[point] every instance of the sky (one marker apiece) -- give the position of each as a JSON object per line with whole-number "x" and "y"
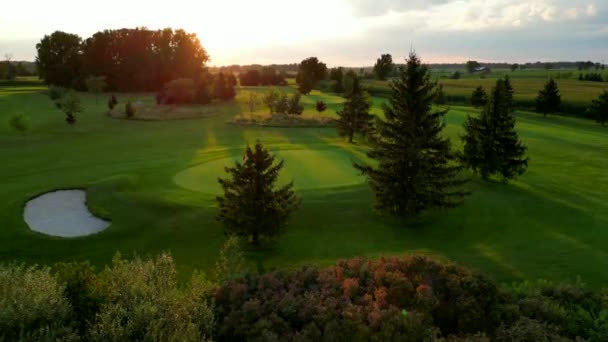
{"x": 339, "y": 32}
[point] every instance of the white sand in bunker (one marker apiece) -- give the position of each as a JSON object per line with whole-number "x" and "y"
{"x": 62, "y": 213}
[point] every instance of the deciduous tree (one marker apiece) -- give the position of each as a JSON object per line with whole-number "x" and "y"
{"x": 310, "y": 71}
{"x": 70, "y": 105}
{"x": 96, "y": 85}
{"x": 384, "y": 66}
{"x": 59, "y": 58}
{"x": 471, "y": 66}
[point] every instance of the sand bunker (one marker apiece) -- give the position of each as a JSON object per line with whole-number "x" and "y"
{"x": 62, "y": 213}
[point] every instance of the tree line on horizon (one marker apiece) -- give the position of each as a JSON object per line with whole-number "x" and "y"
{"x": 129, "y": 59}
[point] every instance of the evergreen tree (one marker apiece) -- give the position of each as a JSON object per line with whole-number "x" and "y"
{"x": 491, "y": 144}
{"x": 599, "y": 108}
{"x": 354, "y": 116}
{"x": 549, "y": 100}
{"x": 252, "y": 206}
{"x": 508, "y": 93}
{"x": 415, "y": 169}
{"x": 479, "y": 97}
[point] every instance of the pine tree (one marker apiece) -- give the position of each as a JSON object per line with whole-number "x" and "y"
{"x": 354, "y": 116}
{"x": 491, "y": 144}
{"x": 549, "y": 100}
{"x": 479, "y": 97}
{"x": 508, "y": 94}
{"x": 415, "y": 169}
{"x": 599, "y": 108}
{"x": 252, "y": 206}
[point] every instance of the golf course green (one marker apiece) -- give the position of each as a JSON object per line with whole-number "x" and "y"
{"x": 156, "y": 181}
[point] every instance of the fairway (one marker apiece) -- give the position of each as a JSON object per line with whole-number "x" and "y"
{"x": 157, "y": 182}
{"x": 313, "y": 169}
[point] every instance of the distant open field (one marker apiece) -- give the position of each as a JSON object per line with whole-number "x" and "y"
{"x": 156, "y": 182}
{"x": 576, "y": 95}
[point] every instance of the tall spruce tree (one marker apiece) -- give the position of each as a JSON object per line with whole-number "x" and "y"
{"x": 491, "y": 144}
{"x": 252, "y": 205}
{"x": 354, "y": 116}
{"x": 415, "y": 169}
{"x": 549, "y": 100}
{"x": 479, "y": 97}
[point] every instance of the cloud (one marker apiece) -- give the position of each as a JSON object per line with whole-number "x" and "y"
{"x": 371, "y": 8}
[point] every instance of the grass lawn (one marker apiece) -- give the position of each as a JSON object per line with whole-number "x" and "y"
{"x": 156, "y": 181}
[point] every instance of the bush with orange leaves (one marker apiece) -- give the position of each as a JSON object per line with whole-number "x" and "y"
{"x": 412, "y": 298}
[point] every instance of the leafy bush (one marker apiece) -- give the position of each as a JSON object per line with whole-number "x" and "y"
{"x": 144, "y": 303}
{"x": 179, "y": 91}
{"x": 295, "y": 107}
{"x": 320, "y": 106}
{"x": 82, "y": 291}
{"x": 526, "y": 329}
{"x": 32, "y": 305}
{"x": 56, "y": 93}
{"x": 130, "y": 109}
{"x": 70, "y": 104}
{"x": 20, "y": 123}
{"x": 390, "y": 299}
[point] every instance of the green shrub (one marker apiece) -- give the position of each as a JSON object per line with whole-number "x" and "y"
{"x": 531, "y": 330}
{"x": 56, "y": 93}
{"x": 70, "y": 104}
{"x": 20, "y": 123}
{"x": 130, "y": 109}
{"x": 143, "y": 302}
{"x": 32, "y": 305}
{"x": 295, "y": 107}
{"x": 82, "y": 290}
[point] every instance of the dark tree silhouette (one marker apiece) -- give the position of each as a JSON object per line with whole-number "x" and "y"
{"x": 252, "y": 205}
{"x": 491, "y": 144}
{"x": 320, "y": 106}
{"x": 310, "y": 71}
{"x": 415, "y": 169}
{"x": 354, "y": 116}
{"x": 549, "y": 100}
{"x": 599, "y": 108}
{"x": 479, "y": 97}
{"x": 384, "y": 67}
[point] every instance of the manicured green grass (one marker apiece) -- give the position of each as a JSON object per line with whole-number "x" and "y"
{"x": 552, "y": 223}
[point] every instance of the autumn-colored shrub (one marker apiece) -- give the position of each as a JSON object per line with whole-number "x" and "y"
{"x": 389, "y": 299}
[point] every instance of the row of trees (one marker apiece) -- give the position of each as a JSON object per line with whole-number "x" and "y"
{"x": 549, "y": 101}
{"x": 266, "y": 76}
{"x": 129, "y": 59}
{"x": 415, "y": 168}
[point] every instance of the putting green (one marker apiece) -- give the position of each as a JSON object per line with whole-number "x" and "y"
{"x": 309, "y": 169}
